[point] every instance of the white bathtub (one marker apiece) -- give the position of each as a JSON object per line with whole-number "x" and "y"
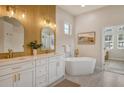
{"x": 80, "y": 65}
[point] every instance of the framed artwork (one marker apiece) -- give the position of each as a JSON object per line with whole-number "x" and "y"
{"x": 87, "y": 38}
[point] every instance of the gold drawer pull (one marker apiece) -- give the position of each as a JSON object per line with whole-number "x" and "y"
{"x": 14, "y": 78}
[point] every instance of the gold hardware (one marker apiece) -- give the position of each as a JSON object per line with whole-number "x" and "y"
{"x": 10, "y": 53}
{"x": 14, "y": 78}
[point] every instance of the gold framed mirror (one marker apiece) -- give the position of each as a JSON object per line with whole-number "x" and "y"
{"x": 11, "y": 35}
{"x": 48, "y": 40}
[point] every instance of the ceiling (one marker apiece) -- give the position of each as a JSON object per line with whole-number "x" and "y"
{"x": 77, "y": 9}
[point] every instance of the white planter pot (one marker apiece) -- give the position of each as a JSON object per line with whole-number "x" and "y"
{"x": 34, "y": 52}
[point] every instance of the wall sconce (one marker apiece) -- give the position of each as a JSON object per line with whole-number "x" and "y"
{"x": 46, "y": 19}
{"x": 11, "y": 11}
{"x": 23, "y": 14}
{"x": 47, "y": 23}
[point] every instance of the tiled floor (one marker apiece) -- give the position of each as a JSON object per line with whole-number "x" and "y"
{"x": 99, "y": 79}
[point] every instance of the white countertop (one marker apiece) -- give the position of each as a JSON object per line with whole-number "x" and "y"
{"x": 26, "y": 58}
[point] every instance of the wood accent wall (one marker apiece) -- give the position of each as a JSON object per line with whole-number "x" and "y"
{"x": 32, "y": 23}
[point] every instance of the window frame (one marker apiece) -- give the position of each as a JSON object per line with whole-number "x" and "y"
{"x": 119, "y": 32}
{"x": 67, "y": 28}
{"x": 107, "y": 32}
{"x": 109, "y": 41}
{"x": 118, "y": 41}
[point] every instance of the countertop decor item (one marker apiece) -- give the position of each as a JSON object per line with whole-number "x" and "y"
{"x": 34, "y": 46}
{"x": 76, "y": 52}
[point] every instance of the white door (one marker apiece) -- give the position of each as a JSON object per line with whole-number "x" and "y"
{"x": 7, "y": 81}
{"x": 25, "y": 78}
{"x": 52, "y": 72}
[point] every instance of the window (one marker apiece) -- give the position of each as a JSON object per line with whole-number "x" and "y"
{"x": 114, "y": 37}
{"x": 120, "y": 37}
{"x": 109, "y": 41}
{"x": 67, "y": 29}
{"x": 108, "y": 30}
{"x": 120, "y": 41}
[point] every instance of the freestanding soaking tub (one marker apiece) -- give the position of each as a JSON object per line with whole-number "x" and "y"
{"x": 80, "y": 65}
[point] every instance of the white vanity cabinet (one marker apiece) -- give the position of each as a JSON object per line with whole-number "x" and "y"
{"x": 25, "y": 78}
{"x": 52, "y": 71}
{"x": 60, "y": 67}
{"x": 18, "y": 75}
{"x": 7, "y": 81}
{"x": 37, "y": 71}
{"x": 19, "y": 79}
{"x": 56, "y": 68}
{"x": 41, "y": 72}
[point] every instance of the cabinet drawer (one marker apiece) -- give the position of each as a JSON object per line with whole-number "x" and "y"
{"x": 5, "y": 71}
{"x": 15, "y": 68}
{"x": 41, "y": 70}
{"x": 41, "y": 62}
{"x": 53, "y": 59}
{"x": 22, "y": 66}
{"x": 42, "y": 81}
{"x": 62, "y": 58}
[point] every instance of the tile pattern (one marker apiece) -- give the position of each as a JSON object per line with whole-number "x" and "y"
{"x": 99, "y": 79}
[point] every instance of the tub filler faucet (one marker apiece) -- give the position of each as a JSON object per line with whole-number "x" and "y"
{"x": 10, "y": 53}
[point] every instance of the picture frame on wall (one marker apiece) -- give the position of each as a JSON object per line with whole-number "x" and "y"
{"x": 87, "y": 38}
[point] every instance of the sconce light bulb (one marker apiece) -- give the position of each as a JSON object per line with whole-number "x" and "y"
{"x": 54, "y": 25}
{"x": 23, "y": 15}
{"x": 44, "y": 22}
{"x": 11, "y": 13}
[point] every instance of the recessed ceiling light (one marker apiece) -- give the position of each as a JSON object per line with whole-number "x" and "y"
{"x": 82, "y": 5}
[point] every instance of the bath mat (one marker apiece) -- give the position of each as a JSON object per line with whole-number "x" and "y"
{"x": 67, "y": 83}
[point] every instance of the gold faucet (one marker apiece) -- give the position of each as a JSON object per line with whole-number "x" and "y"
{"x": 46, "y": 51}
{"x": 10, "y": 53}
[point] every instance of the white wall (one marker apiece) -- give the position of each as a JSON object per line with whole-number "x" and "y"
{"x": 61, "y": 38}
{"x": 96, "y": 21}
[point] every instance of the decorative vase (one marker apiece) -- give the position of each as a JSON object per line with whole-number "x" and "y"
{"x": 76, "y": 52}
{"x": 34, "y": 52}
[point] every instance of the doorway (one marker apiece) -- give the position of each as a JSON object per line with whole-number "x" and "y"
{"x": 113, "y": 49}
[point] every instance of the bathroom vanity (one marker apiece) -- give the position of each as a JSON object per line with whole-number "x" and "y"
{"x": 28, "y": 71}
{"x": 32, "y": 71}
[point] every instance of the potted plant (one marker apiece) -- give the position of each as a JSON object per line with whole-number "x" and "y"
{"x": 34, "y": 46}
